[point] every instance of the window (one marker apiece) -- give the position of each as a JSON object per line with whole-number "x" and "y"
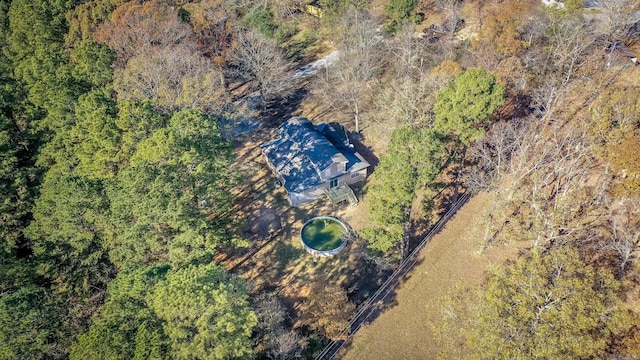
{"x": 333, "y": 183}
{"x": 355, "y": 175}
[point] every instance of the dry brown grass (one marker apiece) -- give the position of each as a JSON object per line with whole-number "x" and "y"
{"x": 277, "y": 262}
{"x": 450, "y": 260}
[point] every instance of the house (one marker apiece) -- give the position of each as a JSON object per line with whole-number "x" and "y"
{"x": 310, "y": 161}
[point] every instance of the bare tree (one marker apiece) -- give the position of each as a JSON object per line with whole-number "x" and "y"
{"x": 558, "y": 188}
{"x": 623, "y": 238}
{"x": 620, "y": 15}
{"x": 550, "y": 185}
{"x": 450, "y": 12}
{"x": 172, "y": 78}
{"x": 409, "y": 95}
{"x": 134, "y": 28}
{"x": 262, "y": 61}
{"x": 327, "y": 309}
{"x": 567, "y": 43}
{"x": 270, "y": 311}
{"x": 279, "y": 343}
{"x": 491, "y": 157}
{"x": 347, "y": 82}
{"x": 285, "y": 345}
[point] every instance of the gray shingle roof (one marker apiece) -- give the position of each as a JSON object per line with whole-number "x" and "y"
{"x": 303, "y": 151}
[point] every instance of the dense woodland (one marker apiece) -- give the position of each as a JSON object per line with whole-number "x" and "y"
{"x": 116, "y": 187}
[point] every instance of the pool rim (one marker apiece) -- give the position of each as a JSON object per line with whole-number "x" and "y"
{"x": 324, "y": 253}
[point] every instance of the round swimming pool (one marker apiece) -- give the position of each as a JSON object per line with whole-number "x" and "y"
{"x": 324, "y": 236}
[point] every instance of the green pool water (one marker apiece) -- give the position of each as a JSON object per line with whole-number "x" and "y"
{"x": 323, "y": 234}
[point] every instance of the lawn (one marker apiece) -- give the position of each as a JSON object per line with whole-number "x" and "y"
{"x": 451, "y": 260}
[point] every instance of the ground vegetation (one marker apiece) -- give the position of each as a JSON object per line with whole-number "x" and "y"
{"x": 119, "y": 204}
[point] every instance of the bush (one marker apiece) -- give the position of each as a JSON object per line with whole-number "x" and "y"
{"x": 285, "y": 32}
{"x": 400, "y": 10}
{"x": 261, "y": 19}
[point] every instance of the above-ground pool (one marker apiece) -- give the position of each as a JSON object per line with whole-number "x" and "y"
{"x": 324, "y": 236}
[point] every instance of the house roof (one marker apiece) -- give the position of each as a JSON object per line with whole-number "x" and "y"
{"x": 303, "y": 151}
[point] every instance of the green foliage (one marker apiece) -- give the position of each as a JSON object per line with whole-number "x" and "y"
{"x": 85, "y": 18}
{"x": 96, "y": 137}
{"x": 464, "y": 108}
{"x": 285, "y": 32}
{"x": 261, "y": 19}
{"x": 28, "y": 325}
{"x": 15, "y": 198}
{"x": 66, "y": 232}
{"x": 197, "y": 312}
{"x": 153, "y": 219}
{"x": 334, "y": 9}
{"x": 178, "y": 177}
{"x": 206, "y": 313}
{"x": 547, "y": 305}
{"x": 35, "y": 47}
{"x": 16, "y": 141}
{"x": 567, "y": 8}
{"x": 92, "y": 64}
{"x": 126, "y": 328}
{"x": 413, "y": 159}
{"x": 137, "y": 121}
{"x": 400, "y": 10}
{"x": 297, "y": 47}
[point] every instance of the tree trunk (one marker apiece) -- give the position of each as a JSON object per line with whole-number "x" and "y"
{"x": 458, "y": 175}
{"x": 406, "y": 232}
{"x": 357, "y": 110}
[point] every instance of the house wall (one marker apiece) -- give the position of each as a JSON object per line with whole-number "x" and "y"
{"x": 334, "y": 170}
{"x": 354, "y": 177}
{"x": 309, "y": 196}
{"x": 273, "y": 169}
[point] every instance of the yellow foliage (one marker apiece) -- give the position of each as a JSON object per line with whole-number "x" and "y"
{"x": 500, "y": 30}
{"x": 625, "y": 161}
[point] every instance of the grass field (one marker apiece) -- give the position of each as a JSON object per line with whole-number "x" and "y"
{"x": 323, "y": 234}
{"x": 451, "y": 260}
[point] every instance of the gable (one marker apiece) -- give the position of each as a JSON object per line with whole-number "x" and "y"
{"x": 303, "y": 152}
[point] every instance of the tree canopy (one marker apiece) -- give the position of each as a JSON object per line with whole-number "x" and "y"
{"x": 413, "y": 159}
{"x": 195, "y": 312}
{"x": 546, "y": 305}
{"x": 464, "y": 108}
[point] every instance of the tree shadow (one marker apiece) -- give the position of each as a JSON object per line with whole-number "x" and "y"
{"x": 275, "y": 113}
{"x": 365, "y": 151}
{"x": 285, "y": 254}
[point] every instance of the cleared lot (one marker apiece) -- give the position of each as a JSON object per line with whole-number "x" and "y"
{"x": 450, "y": 260}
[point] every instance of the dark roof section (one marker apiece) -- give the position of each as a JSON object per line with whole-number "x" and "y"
{"x": 303, "y": 151}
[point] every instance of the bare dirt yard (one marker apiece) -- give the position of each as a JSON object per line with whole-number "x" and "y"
{"x": 451, "y": 260}
{"x": 275, "y": 260}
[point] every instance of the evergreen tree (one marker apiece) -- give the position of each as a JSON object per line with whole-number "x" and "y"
{"x": 413, "y": 159}
{"x": 195, "y": 312}
{"x": 126, "y": 328}
{"x": 29, "y": 325}
{"x": 172, "y": 203}
{"x": 206, "y": 313}
{"x": 464, "y": 108}
{"x": 400, "y": 10}
{"x": 67, "y": 232}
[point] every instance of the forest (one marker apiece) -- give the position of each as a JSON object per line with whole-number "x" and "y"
{"x": 119, "y": 197}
